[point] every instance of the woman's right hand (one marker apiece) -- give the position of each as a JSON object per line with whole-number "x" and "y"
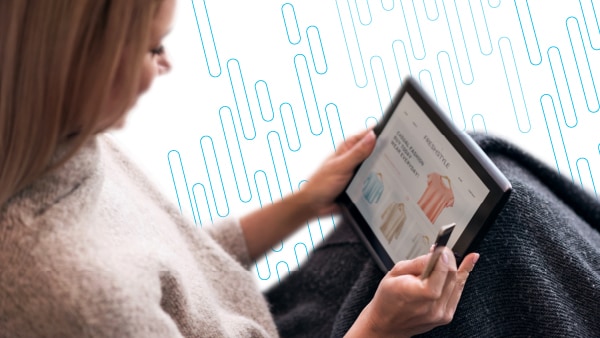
{"x": 405, "y": 305}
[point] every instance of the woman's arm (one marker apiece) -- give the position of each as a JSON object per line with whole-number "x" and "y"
{"x": 404, "y": 304}
{"x": 266, "y": 227}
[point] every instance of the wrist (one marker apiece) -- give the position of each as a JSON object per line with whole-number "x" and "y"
{"x": 304, "y": 204}
{"x": 365, "y": 327}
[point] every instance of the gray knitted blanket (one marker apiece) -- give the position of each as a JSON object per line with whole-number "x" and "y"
{"x": 538, "y": 275}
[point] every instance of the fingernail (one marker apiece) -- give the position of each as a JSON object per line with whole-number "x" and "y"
{"x": 431, "y": 247}
{"x": 369, "y": 137}
{"x": 475, "y": 259}
{"x": 445, "y": 258}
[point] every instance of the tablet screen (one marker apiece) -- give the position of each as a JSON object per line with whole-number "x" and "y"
{"x": 414, "y": 182}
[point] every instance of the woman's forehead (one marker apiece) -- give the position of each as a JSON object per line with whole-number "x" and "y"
{"x": 164, "y": 19}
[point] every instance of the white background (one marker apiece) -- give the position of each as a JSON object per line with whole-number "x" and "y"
{"x": 494, "y": 65}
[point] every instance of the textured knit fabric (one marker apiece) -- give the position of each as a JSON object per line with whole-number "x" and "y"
{"x": 538, "y": 275}
{"x": 92, "y": 249}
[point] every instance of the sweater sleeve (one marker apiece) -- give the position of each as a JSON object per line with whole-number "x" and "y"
{"x": 228, "y": 233}
{"x": 86, "y": 303}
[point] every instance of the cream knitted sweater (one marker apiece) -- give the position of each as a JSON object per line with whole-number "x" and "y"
{"x": 92, "y": 249}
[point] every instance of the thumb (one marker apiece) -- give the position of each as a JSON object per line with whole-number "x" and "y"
{"x": 410, "y": 267}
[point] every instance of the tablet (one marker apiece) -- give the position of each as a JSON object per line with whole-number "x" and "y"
{"x": 422, "y": 174}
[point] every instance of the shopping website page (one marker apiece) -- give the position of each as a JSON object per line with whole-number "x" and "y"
{"x": 413, "y": 183}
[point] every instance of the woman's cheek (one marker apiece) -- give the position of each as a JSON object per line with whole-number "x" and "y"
{"x": 147, "y": 76}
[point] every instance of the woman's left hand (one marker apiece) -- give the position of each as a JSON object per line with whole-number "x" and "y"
{"x": 333, "y": 175}
{"x": 272, "y": 223}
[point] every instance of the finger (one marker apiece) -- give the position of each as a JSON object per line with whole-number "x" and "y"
{"x": 437, "y": 280}
{"x": 332, "y": 209}
{"x": 461, "y": 279}
{"x": 410, "y": 267}
{"x": 468, "y": 264}
{"x": 445, "y": 301}
{"x": 351, "y": 157}
{"x": 350, "y": 142}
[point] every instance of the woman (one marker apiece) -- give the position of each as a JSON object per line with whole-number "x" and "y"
{"x": 89, "y": 248}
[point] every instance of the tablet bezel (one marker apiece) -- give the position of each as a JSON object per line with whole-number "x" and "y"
{"x": 499, "y": 187}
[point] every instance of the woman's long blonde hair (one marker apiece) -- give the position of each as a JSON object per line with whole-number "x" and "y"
{"x": 59, "y": 60}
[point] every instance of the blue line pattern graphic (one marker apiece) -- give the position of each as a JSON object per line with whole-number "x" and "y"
{"x": 276, "y": 86}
